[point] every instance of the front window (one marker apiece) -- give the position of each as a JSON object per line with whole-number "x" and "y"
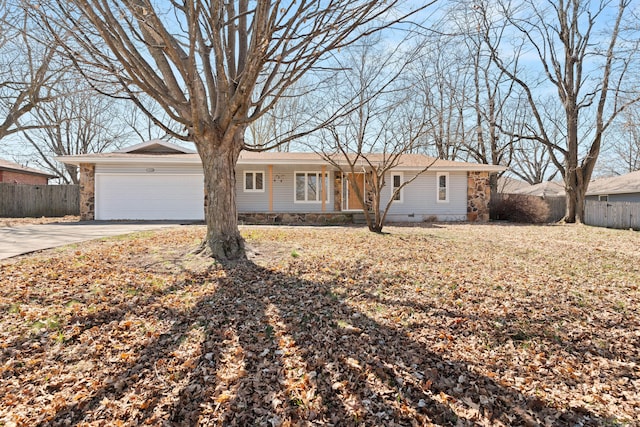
{"x": 602, "y": 198}
{"x": 253, "y": 181}
{"x": 443, "y": 187}
{"x": 396, "y": 180}
{"x": 309, "y": 187}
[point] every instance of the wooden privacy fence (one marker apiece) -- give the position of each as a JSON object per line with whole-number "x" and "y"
{"x": 557, "y": 207}
{"x": 23, "y": 200}
{"x": 622, "y": 215}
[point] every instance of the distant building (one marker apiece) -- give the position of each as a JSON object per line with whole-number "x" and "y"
{"x": 508, "y": 185}
{"x": 13, "y": 173}
{"x": 543, "y": 189}
{"x": 623, "y": 188}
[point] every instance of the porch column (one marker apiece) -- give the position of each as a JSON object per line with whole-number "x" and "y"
{"x": 478, "y": 196}
{"x": 323, "y": 188}
{"x": 270, "y": 169}
{"x": 87, "y": 192}
{"x": 337, "y": 192}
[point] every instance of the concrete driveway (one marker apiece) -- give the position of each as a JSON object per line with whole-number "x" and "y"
{"x": 30, "y": 238}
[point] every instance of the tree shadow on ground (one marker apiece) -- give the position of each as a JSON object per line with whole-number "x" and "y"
{"x": 574, "y": 342}
{"x": 269, "y": 348}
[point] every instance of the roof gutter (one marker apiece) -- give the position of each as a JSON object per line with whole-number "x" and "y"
{"x": 195, "y": 160}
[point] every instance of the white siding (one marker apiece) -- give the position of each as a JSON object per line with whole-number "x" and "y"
{"x": 628, "y": 197}
{"x": 283, "y": 182}
{"x": 419, "y": 201}
{"x": 151, "y": 191}
{"x": 150, "y": 169}
{"x": 252, "y": 201}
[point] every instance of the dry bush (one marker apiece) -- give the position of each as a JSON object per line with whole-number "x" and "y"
{"x": 520, "y": 208}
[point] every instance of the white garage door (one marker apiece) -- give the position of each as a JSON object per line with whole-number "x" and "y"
{"x": 149, "y": 196}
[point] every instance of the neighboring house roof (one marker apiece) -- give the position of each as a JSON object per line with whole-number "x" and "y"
{"x": 623, "y": 184}
{"x": 509, "y": 185}
{"x": 15, "y": 167}
{"x": 544, "y": 189}
{"x": 151, "y": 151}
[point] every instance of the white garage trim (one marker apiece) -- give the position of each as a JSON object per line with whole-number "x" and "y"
{"x": 149, "y": 196}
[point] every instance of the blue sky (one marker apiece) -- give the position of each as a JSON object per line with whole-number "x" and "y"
{"x": 12, "y": 148}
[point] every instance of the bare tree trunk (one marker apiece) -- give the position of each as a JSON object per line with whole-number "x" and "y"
{"x": 571, "y": 199}
{"x": 575, "y": 206}
{"x": 376, "y": 184}
{"x": 576, "y": 190}
{"x": 223, "y": 240}
{"x": 579, "y": 208}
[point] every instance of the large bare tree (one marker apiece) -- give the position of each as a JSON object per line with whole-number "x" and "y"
{"x": 29, "y": 69}
{"x": 215, "y": 67}
{"x": 497, "y": 107}
{"x": 584, "y": 53}
{"x": 143, "y": 127}
{"x": 625, "y": 152}
{"x": 76, "y": 121}
{"x": 380, "y": 122}
{"x": 442, "y": 84}
{"x": 475, "y": 106}
{"x": 532, "y": 163}
{"x": 282, "y": 122}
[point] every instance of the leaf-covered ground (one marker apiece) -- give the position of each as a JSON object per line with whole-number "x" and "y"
{"x": 16, "y": 222}
{"x": 444, "y": 325}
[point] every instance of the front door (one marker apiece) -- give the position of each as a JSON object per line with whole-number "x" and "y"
{"x": 352, "y": 198}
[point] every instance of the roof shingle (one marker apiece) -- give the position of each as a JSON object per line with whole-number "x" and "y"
{"x": 623, "y": 184}
{"x": 7, "y": 165}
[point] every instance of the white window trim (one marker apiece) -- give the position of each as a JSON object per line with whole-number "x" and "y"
{"x": 244, "y": 182}
{"x": 318, "y": 174}
{"x": 438, "y": 175}
{"x": 401, "y": 175}
{"x": 603, "y": 197}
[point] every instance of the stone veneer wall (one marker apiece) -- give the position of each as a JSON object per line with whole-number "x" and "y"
{"x": 337, "y": 192}
{"x": 333, "y": 218}
{"x": 87, "y": 192}
{"x": 478, "y": 196}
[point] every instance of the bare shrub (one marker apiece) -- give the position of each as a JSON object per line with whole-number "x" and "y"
{"x": 520, "y": 208}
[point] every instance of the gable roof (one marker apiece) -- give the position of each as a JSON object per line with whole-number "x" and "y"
{"x": 155, "y": 146}
{"x": 543, "y": 189}
{"x": 623, "y": 184}
{"x": 163, "y": 152}
{"x": 507, "y": 185}
{"x": 15, "y": 167}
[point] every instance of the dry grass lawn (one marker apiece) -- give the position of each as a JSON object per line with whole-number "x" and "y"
{"x": 18, "y": 222}
{"x": 443, "y": 325}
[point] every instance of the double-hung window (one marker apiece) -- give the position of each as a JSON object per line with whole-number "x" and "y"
{"x": 253, "y": 181}
{"x": 396, "y": 181}
{"x": 443, "y": 187}
{"x": 309, "y": 187}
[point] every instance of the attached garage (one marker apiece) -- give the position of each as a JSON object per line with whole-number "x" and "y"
{"x": 149, "y": 196}
{"x": 155, "y": 180}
